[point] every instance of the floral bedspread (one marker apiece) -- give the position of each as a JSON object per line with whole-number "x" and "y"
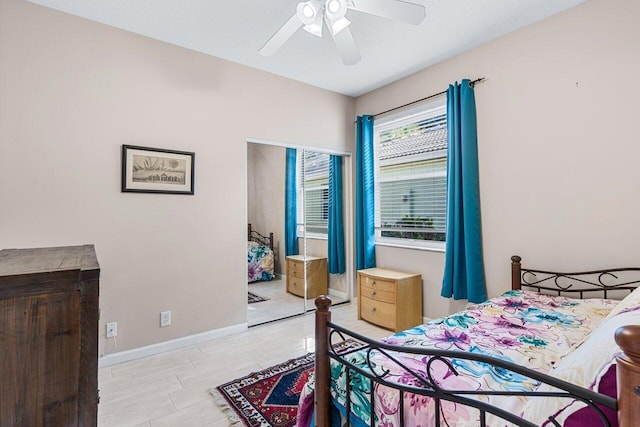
{"x": 260, "y": 262}
{"x": 521, "y": 327}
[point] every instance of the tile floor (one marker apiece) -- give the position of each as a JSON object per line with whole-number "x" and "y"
{"x": 171, "y": 389}
{"x": 281, "y": 304}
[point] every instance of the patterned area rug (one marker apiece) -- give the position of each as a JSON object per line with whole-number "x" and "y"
{"x": 255, "y": 298}
{"x": 269, "y": 397}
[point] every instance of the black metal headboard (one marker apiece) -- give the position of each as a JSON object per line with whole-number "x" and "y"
{"x": 254, "y": 236}
{"x": 582, "y": 282}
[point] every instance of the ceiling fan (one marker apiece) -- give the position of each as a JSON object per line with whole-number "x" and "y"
{"x": 312, "y": 14}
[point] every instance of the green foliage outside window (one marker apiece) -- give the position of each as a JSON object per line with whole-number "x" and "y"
{"x": 416, "y": 228}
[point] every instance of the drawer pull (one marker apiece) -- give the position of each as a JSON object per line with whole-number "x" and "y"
{"x": 373, "y": 282}
{"x": 373, "y": 293}
{"x": 373, "y": 310}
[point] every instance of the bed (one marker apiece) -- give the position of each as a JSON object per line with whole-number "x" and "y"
{"x": 260, "y": 256}
{"x": 541, "y": 354}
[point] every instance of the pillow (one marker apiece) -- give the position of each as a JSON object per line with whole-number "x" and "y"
{"x": 592, "y": 366}
{"x": 629, "y": 302}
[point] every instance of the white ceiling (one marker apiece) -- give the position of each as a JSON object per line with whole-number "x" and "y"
{"x": 236, "y": 29}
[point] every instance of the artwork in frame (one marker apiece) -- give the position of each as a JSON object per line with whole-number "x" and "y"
{"x": 156, "y": 170}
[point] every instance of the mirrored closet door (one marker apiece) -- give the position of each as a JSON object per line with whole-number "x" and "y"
{"x": 301, "y": 198}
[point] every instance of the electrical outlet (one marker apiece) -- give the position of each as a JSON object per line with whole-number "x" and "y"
{"x": 112, "y": 329}
{"x": 165, "y": 318}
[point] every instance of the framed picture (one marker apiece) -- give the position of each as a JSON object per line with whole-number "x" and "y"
{"x": 154, "y": 170}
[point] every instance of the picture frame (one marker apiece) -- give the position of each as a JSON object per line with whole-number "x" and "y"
{"x": 157, "y": 170}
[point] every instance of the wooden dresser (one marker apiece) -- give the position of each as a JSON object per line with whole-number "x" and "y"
{"x": 49, "y": 336}
{"x": 317, "y": 276}
{"x": 391, "y": 299}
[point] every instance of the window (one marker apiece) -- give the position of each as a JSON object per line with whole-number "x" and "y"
{"x": 313, "y": 192}
{"x": 411, "y": 177}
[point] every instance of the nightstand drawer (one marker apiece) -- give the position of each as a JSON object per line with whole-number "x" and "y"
{"x": 378, "y": 294}
{"x": 377, "y": 283}
{"x": 295, "y": 286}
{"x": 295, "y": 269}
{"x": 380, "y": 313}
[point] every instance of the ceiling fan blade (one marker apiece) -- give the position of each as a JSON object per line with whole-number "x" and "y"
{"x": 281, "y": 36}
{"x": 393, "y": 9}
{"x": 346, "y": 46}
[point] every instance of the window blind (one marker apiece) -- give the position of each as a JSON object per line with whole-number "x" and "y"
{"x": 313, "y": 190}
{"x": 411, "y": 176}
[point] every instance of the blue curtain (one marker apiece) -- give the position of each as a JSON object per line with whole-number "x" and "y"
{"x": 365, "y": 211}
{"x": 335, "y": 257}
{"x": 290, "y": 205}
{"x": 464, "y": 270}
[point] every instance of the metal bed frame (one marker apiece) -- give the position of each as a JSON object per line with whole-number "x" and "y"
{"x": 579, "y": 283}
{"x": 254, "y": 236}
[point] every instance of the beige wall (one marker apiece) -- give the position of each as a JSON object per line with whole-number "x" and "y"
{"x": 71, "y": 93}
{"x": 265, "y": 198}
{"x": 558, "y": 144}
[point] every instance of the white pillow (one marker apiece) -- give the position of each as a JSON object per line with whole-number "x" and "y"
{"x": 631, "y": 301}
{"x": 585, "y": 366}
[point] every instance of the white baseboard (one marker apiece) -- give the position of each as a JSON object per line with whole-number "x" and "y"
{"x": 337, "y": 294}
{"x": 161, "y": 347}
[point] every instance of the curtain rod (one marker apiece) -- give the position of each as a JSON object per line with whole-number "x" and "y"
{"x": 472, "y": 83}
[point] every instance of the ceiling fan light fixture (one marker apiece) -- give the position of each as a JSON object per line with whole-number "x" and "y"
{"x": 308, "y": 11}
{"x": 310, "y": 14}
{"x": 336, "y": 9}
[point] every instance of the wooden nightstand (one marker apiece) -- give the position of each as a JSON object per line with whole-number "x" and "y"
{"x": 317, "y": 278}
{"x": 391, "y": 299}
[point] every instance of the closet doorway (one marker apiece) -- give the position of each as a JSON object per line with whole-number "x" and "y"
{"x": 289, "y": 196}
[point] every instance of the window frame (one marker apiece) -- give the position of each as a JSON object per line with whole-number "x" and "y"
{"x": 406, "y": 116}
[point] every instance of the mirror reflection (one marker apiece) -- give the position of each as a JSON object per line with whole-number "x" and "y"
{"x": 296, "y": 236}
